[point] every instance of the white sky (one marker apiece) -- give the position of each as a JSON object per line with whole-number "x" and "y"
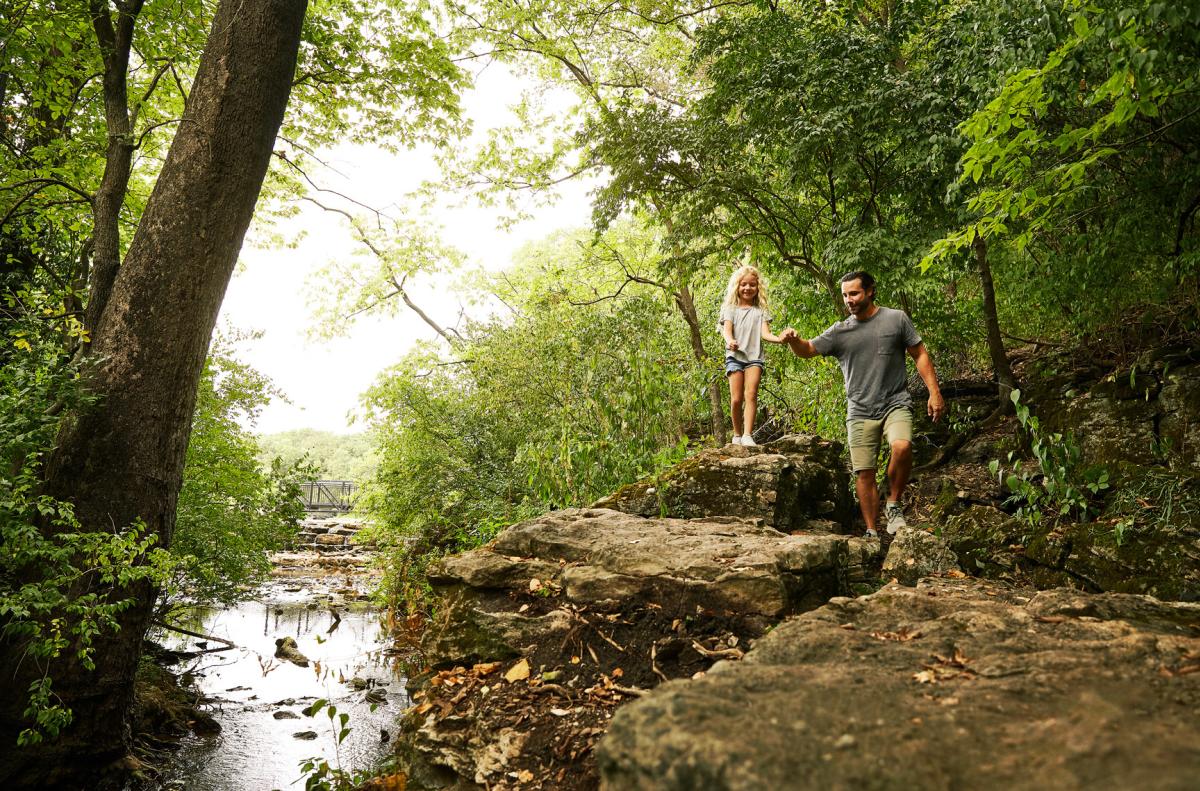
{"x": 269, "y": 293}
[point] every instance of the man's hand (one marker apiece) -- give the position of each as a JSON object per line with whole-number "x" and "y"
{"x": 787, "y": 335}
{"x": 937, "y": 406}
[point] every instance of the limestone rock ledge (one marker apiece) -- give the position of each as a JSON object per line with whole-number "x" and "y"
{"x": 952, "y": 684}
{"x": 613, "y": 561}
{"x": 543, "y": 633}
{"x": 797, "y": 482}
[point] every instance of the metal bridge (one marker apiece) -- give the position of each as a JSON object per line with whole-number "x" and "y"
{"x": 332, "y": 497}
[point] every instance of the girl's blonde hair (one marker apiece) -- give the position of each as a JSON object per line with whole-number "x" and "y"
{"x": 731, "y": 295}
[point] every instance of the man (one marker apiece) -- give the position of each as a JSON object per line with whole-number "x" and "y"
{"x": 869, "y": 345}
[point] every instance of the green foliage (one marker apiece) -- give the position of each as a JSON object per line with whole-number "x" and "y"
{"x": 319, "y": 774}
{"x": 1156, "y": 501}
{"x": 582, "y": 383}
{"x": 341, "y": 457}
{"x": 231, "y": 510}
{"x": 55, "y": 579}
{"x": 1062, "y": 484}
{"x": 1085, "y": 163}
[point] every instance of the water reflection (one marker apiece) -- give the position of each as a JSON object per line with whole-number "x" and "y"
{"x": 259, "y": 699}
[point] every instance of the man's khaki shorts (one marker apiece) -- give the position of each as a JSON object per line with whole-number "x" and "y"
{"x": 863, "y": 436}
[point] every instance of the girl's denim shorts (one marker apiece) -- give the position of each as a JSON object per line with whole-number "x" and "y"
{"x": 734, "y": 365}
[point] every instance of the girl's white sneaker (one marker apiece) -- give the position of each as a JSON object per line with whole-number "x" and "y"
{"x": 748, "y": 441}
{"x": 737, "y": 439}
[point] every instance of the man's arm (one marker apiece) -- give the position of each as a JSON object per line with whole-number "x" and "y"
{"x": 937, "y": 405}
{"x": 799, "y": 346}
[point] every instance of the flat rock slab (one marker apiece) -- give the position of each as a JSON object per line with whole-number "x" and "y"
{"x": 612, "y": 560}
{"x": 952, "y": 684}
{"x": 600, "y": 556}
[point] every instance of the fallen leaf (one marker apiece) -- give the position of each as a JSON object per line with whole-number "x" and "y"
{"x": 617, "y": 672}
{"x": 560, "y": 712}
{"x": 485, "y": 668}
{"x": 535, "y": 585}
{"x": 518, "y": 672}
{"x": 525, "y": 776}
{"x": 925, "y": 677}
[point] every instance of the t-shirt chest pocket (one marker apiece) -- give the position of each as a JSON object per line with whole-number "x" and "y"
{"x": 887, "y": 342}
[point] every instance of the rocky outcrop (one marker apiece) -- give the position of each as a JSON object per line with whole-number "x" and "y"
{"x": 611, "y": 561}
{"x": 953, "y": 684}
{"x": 336, "y": 534}
{"x": 561, "y": 618}
{"x": 916, "y": 553}
{"x": 1143, "y": 415}
{"x": 797, "y": 482}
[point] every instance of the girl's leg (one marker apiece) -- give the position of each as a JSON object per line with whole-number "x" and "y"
{"x": 750, "y": 408}
{"x": 736, "y": 380}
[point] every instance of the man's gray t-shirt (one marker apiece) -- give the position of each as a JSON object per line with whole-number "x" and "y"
{"x": 747, "y": 331}
{"x": 871, "y": 354}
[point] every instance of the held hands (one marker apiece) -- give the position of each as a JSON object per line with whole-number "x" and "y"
{"x": 936, "y": 407}
{"x": 787, "y": 335}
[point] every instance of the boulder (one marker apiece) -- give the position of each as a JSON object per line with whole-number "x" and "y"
{"x": 915, "y": 553}
{"x": 612, "y": 560}
{"x": 786, "y": 483}
{"x": 952, "y": 684}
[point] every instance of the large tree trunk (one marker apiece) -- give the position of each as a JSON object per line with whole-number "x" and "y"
{"x": 1005, "y": 381}
{"x": 122, "y": 460}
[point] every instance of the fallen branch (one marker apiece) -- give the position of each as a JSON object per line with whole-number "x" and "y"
{"x": 170, "y": 627}
{"x": 720, "y": 653}
{"x": 636, "y": 692}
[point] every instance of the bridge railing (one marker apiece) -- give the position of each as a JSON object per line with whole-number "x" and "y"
{"x": 337, "y": 496}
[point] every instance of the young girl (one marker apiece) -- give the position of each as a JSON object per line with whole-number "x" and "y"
{"x": 745, "y": 324}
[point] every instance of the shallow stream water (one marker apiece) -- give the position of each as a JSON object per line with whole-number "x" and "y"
{"x": 259, "y": 700}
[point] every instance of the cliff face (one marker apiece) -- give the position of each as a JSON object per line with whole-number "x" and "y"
{"x": 717, "y": 600}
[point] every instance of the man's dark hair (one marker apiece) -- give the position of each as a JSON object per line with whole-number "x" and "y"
{"x": 868, "y": 282}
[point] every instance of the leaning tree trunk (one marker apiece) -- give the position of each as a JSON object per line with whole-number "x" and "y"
{"x": 122, "y": 460}
{"x": 1005, "y": 381}
{"x": 687, "y": 307}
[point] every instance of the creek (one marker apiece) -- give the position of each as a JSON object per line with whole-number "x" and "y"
{"x": 259, "y": 700}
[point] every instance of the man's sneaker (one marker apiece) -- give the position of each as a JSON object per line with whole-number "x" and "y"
{"x": 895, "y": 518}
{"x": 748, "y": 441}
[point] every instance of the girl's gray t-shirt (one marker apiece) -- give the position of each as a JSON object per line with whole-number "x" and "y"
{"x": 872, "y": 354}
{"x": 747, "y": 331}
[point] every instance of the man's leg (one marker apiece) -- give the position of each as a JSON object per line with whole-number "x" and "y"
{"x": 868, "y": 497}
{"x": 897, "y": 428}
{"x": 863, "y": 438}
{"x": 899, "y": 468}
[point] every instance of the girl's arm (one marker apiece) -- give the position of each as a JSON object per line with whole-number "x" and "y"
{"x": 767, "y": 335}
{"x": 727, "y": 331}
